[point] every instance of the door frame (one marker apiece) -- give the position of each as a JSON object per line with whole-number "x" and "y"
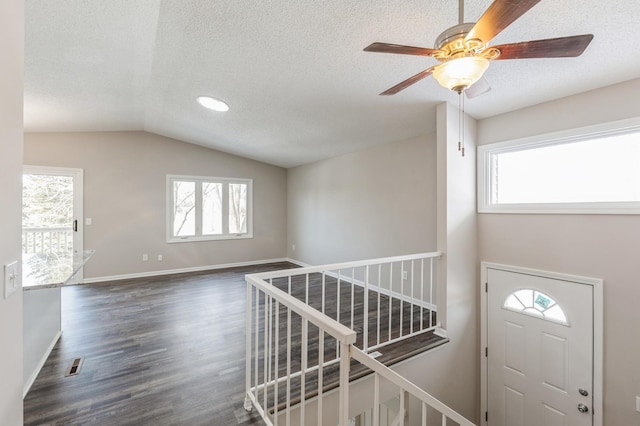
{"x": 78, "y": 202}
{"x": 598, "y": 327}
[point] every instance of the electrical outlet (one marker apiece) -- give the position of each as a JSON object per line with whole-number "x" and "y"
{"x": 88, "y": 221}
{"x": 293, "y": 247}
{"x": 159, "y": 258}
{"x": 404, "y": 275}
{"x": 11, "y": 278}
{"x": 145, "y": 257}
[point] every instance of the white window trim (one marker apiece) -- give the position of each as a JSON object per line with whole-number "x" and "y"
{"x": 486, "y": 152}
{"x": 225, "y": 180}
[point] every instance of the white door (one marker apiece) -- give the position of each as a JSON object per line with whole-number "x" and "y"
{"x": 540, "y": 346}
{"x": 52, "y": 222}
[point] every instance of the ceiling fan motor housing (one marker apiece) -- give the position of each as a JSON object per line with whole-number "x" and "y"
{"x": 451, "y": 42}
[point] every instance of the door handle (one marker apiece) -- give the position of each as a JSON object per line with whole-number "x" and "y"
{"x": 583, "y": 408}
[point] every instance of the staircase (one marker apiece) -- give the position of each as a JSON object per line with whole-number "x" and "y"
{"x": 313, "y": 331}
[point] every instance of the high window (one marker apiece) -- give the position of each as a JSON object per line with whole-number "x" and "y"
{"x": 208, "y": 208}
{"x": 593, "y": 170}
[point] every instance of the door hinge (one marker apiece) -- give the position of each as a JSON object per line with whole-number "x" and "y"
{"x": 75, "y": 225}
{"x": 486, "y": 287}
{"x": 486, "y": 416}
{"x": 486, "y": 351}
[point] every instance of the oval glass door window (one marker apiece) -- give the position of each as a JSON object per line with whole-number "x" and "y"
{"x": 536, "y": 304}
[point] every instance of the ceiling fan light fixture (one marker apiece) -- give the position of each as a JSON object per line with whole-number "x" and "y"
{"x": 460, "y": 73}
{"x": 213, "y": 103}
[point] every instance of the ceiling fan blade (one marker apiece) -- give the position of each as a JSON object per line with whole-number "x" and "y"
{"x": 499, "y": 16}
{"x": 478, "y": 88}
{"x": 408, "y": 82}
{"x": 398, "y": 49}
{"x": 561, "y": 47}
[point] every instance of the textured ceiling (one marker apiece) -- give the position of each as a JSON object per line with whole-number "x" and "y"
{"x": 299, "y": 85}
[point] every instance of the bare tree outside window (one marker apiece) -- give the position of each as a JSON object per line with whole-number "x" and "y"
{"x": 47, "y": 226}
{"x": 211, "y": 208}
{"x": 237, "y": 208}
{"x": 184, "y": 204}
{"x": 208, "y": 208}
{"x": 47, "y": 201}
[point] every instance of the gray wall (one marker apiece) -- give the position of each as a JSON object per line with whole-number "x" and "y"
{"x": 372, "y": 203}
{"x": 11, "y": 93}
{"x": 382, "y": 202}
{"x": 125, "y": 196}
{"x": 600, "y": 246}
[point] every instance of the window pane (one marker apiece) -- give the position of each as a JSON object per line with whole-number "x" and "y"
{"x": 237, "y": 208}
{"x": 211, "y": 208}
{"x": 184, "y": 204}
{"x": 536, "y": 304}
{"x": 598, "y": 170}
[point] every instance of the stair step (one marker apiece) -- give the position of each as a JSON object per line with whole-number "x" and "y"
{"x": 391, "y": 354}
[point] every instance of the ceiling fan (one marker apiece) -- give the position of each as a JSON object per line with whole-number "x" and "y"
{"x": 464, "y": 52}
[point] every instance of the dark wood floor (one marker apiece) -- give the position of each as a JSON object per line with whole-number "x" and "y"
{"x": 164, "y": 351}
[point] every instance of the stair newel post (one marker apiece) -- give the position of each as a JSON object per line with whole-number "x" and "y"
{"x": 247, "y": 399}
{"x": 343, "y": 408}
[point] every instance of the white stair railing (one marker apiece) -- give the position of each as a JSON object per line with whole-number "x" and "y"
{"x": 298, "y": 333}
{"x": 396, "y": 295}
{"x": 276, "y": 381}
{"x": 406, "y": 389}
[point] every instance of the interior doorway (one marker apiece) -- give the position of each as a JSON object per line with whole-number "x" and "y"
{"x": 52, "y": 231}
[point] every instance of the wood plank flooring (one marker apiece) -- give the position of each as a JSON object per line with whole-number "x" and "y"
{"x": 163, "y": 350}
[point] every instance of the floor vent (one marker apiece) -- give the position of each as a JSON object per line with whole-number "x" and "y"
{"x": 75, "y": 367}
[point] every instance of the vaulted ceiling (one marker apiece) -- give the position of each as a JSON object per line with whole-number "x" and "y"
{"x": 299, "y": 85}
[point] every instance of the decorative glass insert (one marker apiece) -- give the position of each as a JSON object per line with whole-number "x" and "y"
{"x": 536, "y": 304}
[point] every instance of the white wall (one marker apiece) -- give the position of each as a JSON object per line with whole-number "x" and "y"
{"x": 11, "y": 93}
{"x": 600, "y": 246}
{"x": 125, "y": 196}
{"x": 372, "y": 203}
{"x": 42, "y": 325}
{"x": 455, "y": 373}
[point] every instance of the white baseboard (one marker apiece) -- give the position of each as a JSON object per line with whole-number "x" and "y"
{"x": 439, "y": 331}
{"x": 298, "y": 262}
{"x": 183, "y": 270}
{"x": 35, "y": 373}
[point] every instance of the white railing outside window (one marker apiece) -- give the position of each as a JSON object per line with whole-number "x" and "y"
{"x": 47, "y": 240}
{"x": 306, "y": 325}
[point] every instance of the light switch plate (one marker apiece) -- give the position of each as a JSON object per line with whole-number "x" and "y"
{"x": 11, "y": 278}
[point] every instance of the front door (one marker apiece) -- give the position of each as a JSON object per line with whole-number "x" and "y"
{"x": 540, "y": 346}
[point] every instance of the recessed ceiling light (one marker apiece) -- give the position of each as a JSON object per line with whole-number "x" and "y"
{"x": 213, "y": 103}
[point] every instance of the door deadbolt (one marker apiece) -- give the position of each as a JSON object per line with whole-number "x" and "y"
{"x": 583, "y": 392}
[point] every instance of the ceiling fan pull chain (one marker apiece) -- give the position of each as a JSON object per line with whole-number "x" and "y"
{"x": 461, "y": 123}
